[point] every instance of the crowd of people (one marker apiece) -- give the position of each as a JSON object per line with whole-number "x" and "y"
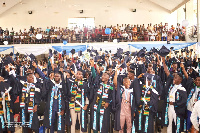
{"x": 102, "y": 92}
{"x": 123, "y": 33}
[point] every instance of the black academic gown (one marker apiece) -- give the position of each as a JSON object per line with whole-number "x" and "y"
{"x": 37, "y": 97}
{"x": 71, "y": 83}
{"x": 47, "y": 90}
{"x": 147, "y": 114}
{"x": 179, "y": 104}
{"x": 106, "y": 116}
{"x": 10, "y": 110}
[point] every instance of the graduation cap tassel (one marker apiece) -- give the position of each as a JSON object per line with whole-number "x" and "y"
{"x": 175, "y": 56}
{"x": 146, "y": 83}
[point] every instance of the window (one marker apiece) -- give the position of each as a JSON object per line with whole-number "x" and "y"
{"x": 80, "y": 22}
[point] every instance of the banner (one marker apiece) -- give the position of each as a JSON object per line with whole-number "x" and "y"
{"x": 35, "y": 50}
{"x": 176, "y": 46}
{"x": 69, "y": 48}
{"x": 5, "y": 48}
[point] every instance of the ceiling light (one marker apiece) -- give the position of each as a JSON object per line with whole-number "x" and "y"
{"x": 4, "y": 4}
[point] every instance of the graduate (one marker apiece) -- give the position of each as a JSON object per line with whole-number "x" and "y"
{"x": 136, "y": 88}
{"x": 195, "y": 118}
{"x": 175, "y": 101}
{"x": 7, "y": 99}
{"x": 102, "y": 101}
{"x": 125, "y": 107}
{"x": 55, "y": 95}
{"x": 148, "y": 104}
{"x": 79, "y": 101}
{"x": 193, "y": 97}
{"x": 29, "y": 96}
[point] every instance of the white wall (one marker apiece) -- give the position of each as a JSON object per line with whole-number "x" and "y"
{"x": 58, "y": 12}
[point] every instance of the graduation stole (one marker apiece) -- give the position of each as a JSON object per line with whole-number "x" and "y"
{"x": 167, "y": 107}
{"x": 145, "y": 97}
{"x": 102, "y": 95}
{"x": 190, "y": 95}
{"x": 1, "y": 113}
{"x": 8, "y": 110}
{"x": 77, "y": 92}
{"x": 25, "y": 95}
{"x": 146, "y": 94}
{"x": 59, "y": 107}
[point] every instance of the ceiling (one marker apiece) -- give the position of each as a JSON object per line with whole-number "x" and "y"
{"x": 9, "y": 4}
{"x": 166, "y": 5}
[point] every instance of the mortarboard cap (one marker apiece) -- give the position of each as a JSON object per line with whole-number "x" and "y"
{"x": 134, "y": 53}
{"x": 32, "y": 57}
{"x": 176, "y": 52}
{"x": 127, "y": 53}
{"x": 106, "y": 52}
{"x": 141, "y": 53}
{"x": 96, "y": 58}
{"x": 11, "y": 53}
{"x": 17, "y": 54}
{"x": 73, "y": 51}
{"x": 163, "y": 51}
{"x": 91, "y": 55}
{"x": 144, "y": 48}
{"x": 88, "y": 50}
{"x": 79, "y": 53}
{"x": 55, "y": 52}
{"x": 154, "y": 50}
{"x": 182, "y": 50}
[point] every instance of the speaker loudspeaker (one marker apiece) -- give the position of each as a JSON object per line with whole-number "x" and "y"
{"x": 30, "y": 12}
{"x": 133, "y": 10}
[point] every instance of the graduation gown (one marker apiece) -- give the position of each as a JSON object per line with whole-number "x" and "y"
{"x": 179, "y": 107}
{"x": 100, "y": 117}
{"x": 53, "y": 100}
{"x": 28, "y": 99}
{"x": 148, "y": 108}
{"x": 78, "y": 91}
{"x": 7, "y": 111}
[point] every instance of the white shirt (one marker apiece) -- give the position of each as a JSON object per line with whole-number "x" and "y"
{"x": 173, "y": 92}
{"x": 195, "y": 114}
